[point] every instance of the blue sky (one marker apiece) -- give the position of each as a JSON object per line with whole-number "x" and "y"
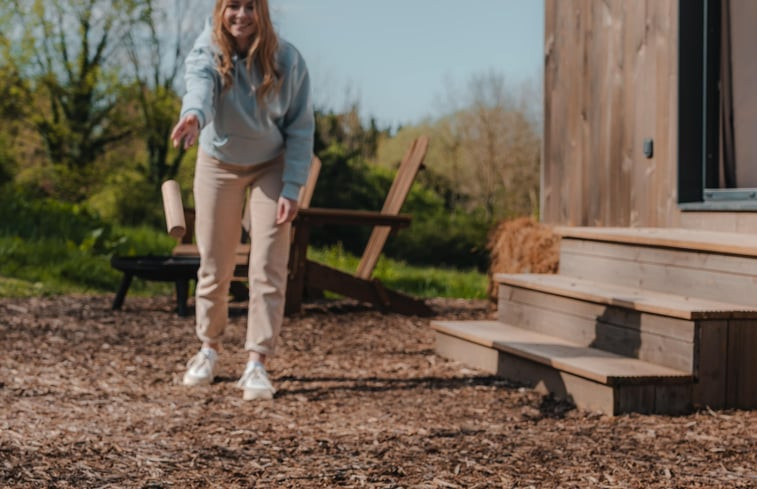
{"x": 397, "y": 57}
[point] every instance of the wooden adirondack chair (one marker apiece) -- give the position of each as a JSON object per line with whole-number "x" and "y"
{"x": 187, "y": 247}
{"x": 305, "y": 274}
{"x": 182, "y": 265}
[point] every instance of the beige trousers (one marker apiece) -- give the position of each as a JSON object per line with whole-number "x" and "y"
{"x": 220, "y": 191}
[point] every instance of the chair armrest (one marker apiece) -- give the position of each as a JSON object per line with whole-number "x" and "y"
{"x": 320, "y": 216}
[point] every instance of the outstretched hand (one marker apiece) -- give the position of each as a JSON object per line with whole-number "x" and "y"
{"x": 286, "y": 210}
{"x": 187, "y": 129}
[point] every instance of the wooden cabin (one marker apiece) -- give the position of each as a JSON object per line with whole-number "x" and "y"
{"x": 649, "y": 174}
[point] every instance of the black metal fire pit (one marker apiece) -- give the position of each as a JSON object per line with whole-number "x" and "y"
{"x": 177, "y": 269}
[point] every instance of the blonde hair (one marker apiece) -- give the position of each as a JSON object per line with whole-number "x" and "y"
{"x": 262, "y": 52}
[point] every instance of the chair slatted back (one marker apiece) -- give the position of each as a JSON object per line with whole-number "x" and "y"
{"x": 306, "y": 192}
{"x": 403, "y": 181}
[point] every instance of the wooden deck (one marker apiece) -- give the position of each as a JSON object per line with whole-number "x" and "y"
{"x": 590, "y": 363}
{"x": 671, "y": 305}
{"x": 682, "y": 239}
{"x": 637, "y": 320}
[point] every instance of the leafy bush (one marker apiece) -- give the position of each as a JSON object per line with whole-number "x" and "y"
{"x": 7, "y": 161}
{"x": 48, "y": 246}
{"x": 128, "y": 199}
{"x": 346, "y": 181}
{"x": 25, "y": 216}
{"x": 58, "y": 265}
{"x": 442, "y": 238}
{"x": 439, "y": 233}
{"x": 51, "y": 266}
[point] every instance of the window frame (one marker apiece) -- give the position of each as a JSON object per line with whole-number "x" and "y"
{"x": 698, "y": 112}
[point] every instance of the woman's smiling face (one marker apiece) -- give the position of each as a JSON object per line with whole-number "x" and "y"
{"x": 239, "y": 20}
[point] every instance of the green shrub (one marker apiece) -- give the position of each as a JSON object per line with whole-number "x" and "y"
{"x": 440, "y": 234}
{"x": 144, "y": 240}
{"x": 347, "y": 182}
{"x": 442, "y": 238}
{"x": 128, "y": 199}
{"x": 11, "y": 287}
{"x": 49, "y": 266}
{"x": 50, "y": 247}
{"x": 7, "y": 161}
{"x": 25, "y": 216}
{"x": 60, "y": 266}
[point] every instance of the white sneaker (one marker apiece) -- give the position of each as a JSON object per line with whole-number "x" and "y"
{"x": 255, "y": 383}
{"x": 201, "y": 368}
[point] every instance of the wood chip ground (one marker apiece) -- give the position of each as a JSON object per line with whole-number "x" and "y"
{"x": 91, "y": 398}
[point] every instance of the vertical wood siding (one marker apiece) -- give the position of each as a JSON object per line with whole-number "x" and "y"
{"x": 610, "y": 83}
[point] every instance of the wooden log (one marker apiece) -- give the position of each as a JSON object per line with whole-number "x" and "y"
{"x": 173, "y": 208}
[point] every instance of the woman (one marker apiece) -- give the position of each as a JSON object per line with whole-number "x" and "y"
{"x": 248, "y": 100}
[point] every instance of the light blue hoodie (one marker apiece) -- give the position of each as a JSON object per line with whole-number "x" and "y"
{"x": 235, "y": 128}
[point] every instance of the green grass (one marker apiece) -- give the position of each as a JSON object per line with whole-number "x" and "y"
{"x": 418, "y": 281}
{"x": 11, "y": 287}
{"x": 49, "y": 266}
{"x": 48, "y": 247}
{"x": 53, "y": 247}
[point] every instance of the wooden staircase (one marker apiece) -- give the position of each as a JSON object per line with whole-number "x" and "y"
{"x": 637, "y": 320}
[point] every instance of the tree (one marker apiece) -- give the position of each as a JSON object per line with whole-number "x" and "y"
{"x": 13, "y": 108}
{"x": 67, "y": 52}
{"x": 484, "y": 151}
{"x": 157, "y": 48}
{"x": 346, "y": 129}
{"x": 500, "y": 147}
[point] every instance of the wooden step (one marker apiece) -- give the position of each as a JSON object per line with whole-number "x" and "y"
{"x": 589, "y": 363}
{"x": 714, "y": 341}
{"x": 714, "y": 265}
{"x": 649, "y": 337}
{"x": 641, "y": 300}
{"x": 676, "y": 238}
{"x": 590, "y": 378}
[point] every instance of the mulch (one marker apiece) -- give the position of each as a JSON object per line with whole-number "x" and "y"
{"x": 91, "y": 398}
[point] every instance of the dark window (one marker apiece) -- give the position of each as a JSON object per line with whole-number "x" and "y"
{"x": 717, "y": 142}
